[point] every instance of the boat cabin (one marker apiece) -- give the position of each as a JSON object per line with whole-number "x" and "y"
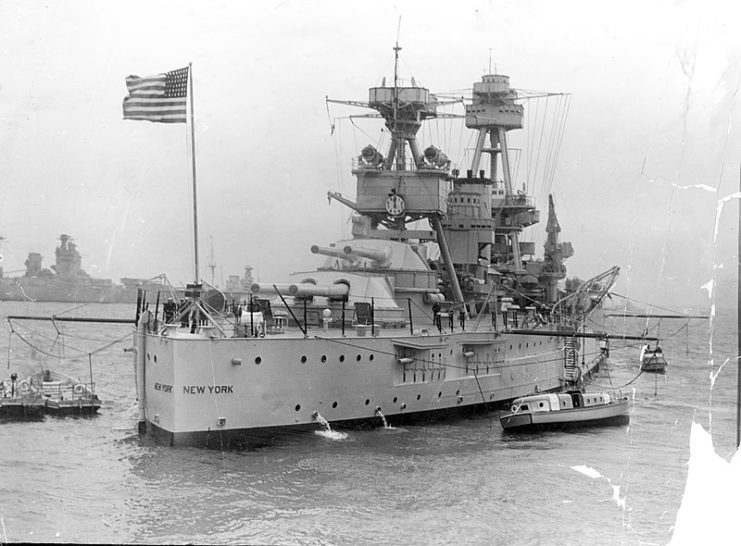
{"x": 555, "y": 402}
{"x": 542, "y": 402}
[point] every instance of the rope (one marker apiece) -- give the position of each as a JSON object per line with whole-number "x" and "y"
{"x": 622, "y": 386}
{"x": 81, "y": 353}
{"x": 483, "y": 398}
{"x": 646, "y": 303}
{"x": 57, "y": 340}
{"x": 73, "y": 309}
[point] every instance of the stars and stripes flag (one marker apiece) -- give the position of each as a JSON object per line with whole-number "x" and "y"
{"x": 159, "y": 98}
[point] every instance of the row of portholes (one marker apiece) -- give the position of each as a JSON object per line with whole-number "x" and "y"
{"x": 152, "y": 357}
{"x": 359, "y": 357}
{"x": 297, "y": 407}
{"x": 323, "y": 359}
{"x": 527, "y": 345}
{"x": 519, "y": 346}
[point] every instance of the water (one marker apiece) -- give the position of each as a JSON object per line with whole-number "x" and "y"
{"x": 461, "y": 481}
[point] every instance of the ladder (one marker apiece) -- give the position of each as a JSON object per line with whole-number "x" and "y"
{"x": 571, "y": 362}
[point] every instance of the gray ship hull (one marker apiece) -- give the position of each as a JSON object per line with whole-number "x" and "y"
{"x": 55, "y": 290}
{"x": 60, "y": 291}
{"x": 202, "y": 390}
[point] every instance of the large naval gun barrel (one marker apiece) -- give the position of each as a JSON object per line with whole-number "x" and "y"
{"x": 380, "y": 255}
{"x": 302, "y": 290}
{"x": 328, "y": 251}
{"x": 268, "y": 289}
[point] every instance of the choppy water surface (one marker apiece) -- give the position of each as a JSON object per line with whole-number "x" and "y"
{"x": 461, "y": 481}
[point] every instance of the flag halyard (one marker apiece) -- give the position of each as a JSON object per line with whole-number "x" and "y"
{"x": 160, "y": 98}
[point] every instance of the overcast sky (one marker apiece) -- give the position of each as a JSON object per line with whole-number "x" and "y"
{"x": 649, "y": 150}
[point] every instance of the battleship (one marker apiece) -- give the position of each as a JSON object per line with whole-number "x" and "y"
{"x": 434, "y": 306}
{"x": 67, "y": 281}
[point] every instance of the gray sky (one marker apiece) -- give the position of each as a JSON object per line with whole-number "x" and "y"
{"x": 648, "y": 152}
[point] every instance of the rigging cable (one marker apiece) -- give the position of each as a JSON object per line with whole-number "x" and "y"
{"x": 567, "y": 108}
{"x": 622, "y": 386}
{"x": 81, "y": 353}
{"x": 483, "y": 398}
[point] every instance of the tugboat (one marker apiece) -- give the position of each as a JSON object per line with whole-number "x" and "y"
{"x": 566, "y": 410}
{"x": 434, "y": 306}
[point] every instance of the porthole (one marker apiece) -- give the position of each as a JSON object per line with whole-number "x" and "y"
{"x": 519, "y": 346}
{"x": 334, "y": 404}
{"x": 439, "y": 394}
{"x": 457, "y": 392}
{"x": 395, "y": 399}
{"x": 419, "y": 396}
{"x": 358, "y": 358}
{"x": 370, "y": 357}
{"x": 342, "y": 358}
{"x": 258, "y": 359}
{"x": 367, "y": 401}
{"x": 324, "y": 358}
{"x": 298, "y": 407}
{"x": 155, "y": 359}
{"x": 303, "y": 359}
{"x": 149, "y": 357}
{"x": 540, "y": 405}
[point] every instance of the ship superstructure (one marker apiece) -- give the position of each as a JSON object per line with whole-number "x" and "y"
{"x": 435, "y": 303}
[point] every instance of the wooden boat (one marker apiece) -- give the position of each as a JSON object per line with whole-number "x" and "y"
{"x": 652, "y": 360}
{"x": 63, "y": 394}
{"x": 18, "y": 399}
{"x": 566, "y": 410}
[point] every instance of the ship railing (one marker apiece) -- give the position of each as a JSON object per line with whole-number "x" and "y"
{"x": 519, "y": 200}
{"x": 275, "y": 316}
{"x": 60, "y": 389}
{"x": 359, "y": 318}
{"x": 409, "y": 164}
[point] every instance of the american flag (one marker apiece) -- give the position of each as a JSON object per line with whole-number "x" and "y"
{"x": 158, "y": 98}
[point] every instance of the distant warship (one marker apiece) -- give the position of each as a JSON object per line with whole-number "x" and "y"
{"x": 67, "y": 281}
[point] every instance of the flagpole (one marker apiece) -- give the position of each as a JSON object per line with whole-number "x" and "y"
{"x": 193, "y": 156}
{"x": 738, "y": 324}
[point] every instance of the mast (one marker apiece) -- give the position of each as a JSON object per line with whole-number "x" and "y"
{"x": 493, "y": 112}
{"x": 738, "y": 326}
{"x": 195, "y": 194}
{"x": 211, "y": 263}
{"x": 391, "y": 193}
{"x": 399, "y": 148}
